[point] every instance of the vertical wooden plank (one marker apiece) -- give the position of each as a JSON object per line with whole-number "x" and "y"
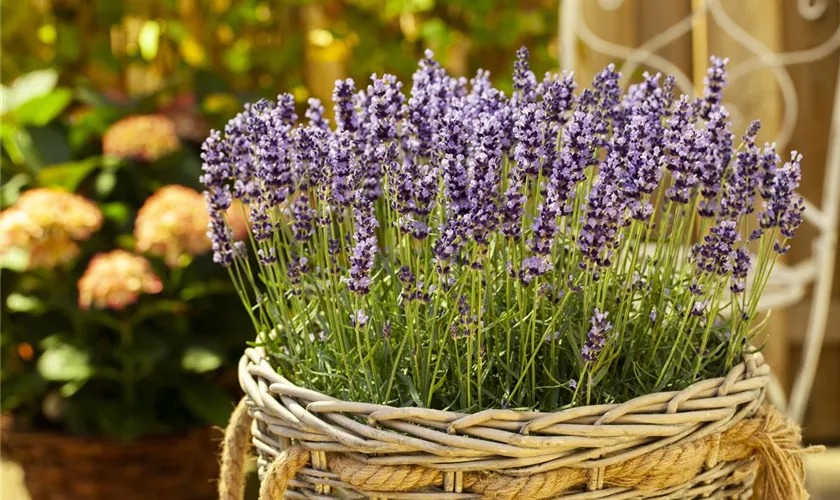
{"x": 815, "y": 83}
{"x": 619, "y": 26}
{"x": 655, "y": 17}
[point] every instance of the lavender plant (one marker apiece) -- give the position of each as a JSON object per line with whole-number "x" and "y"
{"x": 465, "y": 249}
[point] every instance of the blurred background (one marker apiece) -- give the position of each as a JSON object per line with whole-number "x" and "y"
{"x": 120, "y": 338}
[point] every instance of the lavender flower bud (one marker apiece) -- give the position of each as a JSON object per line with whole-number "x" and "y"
{"x": 364, "y": 251}
{"x": 346, "y": 117}
{"x": 524, "y": 81}
{"x": 596, "y": 339}
{"x": 315, "y": 114}
{"x": 714, "y": 83}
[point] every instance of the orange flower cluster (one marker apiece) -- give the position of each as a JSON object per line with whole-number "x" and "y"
{"x": 46, "y": 224}
{"x": 172, "y": 224}
{"x": 115, "y": 280}
{"x": 144, "y": 137}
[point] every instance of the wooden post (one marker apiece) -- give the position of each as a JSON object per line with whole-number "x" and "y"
{"x": 756, "y": 95}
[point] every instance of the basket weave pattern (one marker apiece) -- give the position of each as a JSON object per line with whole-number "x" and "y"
{"x": 664, "y": 445}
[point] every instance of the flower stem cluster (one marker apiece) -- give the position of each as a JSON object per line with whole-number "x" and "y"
{"x": 459, "y": 247}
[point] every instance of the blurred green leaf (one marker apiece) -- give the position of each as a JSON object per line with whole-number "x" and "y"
{"x": 11, "y": 189}
{"x": 6, "y": 99}
{"x": 199, "y": 359}
{"x": 148, "y": 39}
{"x": 203, "y": 289}
{"x": 68, "y": 46}
{"x": 68, "y": 175}
{"x": 64, "y": 363}
{"x": 208, "y": 401}
{"x": 8, "y": 131}
{"x": 116, "y": 211}
{"x": 238, "y": 57}
{"x": 17, "y": 302}
{"x": 436, "y": 33}
{"x": 15, "y": 259}
{"x": 51, "y": 143}
{"x": 157, "y": 307}
{"x": 125, "y": 241}
{"x": 105, "y": 182}
{"x": 71, "y": 388}
{"x": 29, "y": 86}
{"x": 39, "y": 111}
{"x": 208, "y": 83}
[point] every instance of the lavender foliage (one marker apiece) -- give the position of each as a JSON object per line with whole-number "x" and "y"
{"x": 459, "y": 247}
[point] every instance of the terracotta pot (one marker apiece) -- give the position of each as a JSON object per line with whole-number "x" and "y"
{"x": 62, "y": 467}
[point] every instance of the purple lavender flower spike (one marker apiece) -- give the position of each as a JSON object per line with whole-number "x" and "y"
{"x": 604, "y": 215}
{"x": 578, "y": 153}
{"x": 513, "y": 202}
{"x": 309, "y": 156}
{"x": 527, "y": 150}
{"x": 783, "y": 209}
{"x": 714, "y": 83}
{"x": 286, "y": 109}
{"x": 596, "y": 339}
{"x": 606, "y": 101}
{"x": 716, "y": 151}
{"x": 217, "y": 171}
{"x": 716, "y": 252}
{"x": 452, "y": 144}
{"x": 384, "y": 110}
{"x": 364, "y": 250}
{"x": 741, "y": 263}
{"x": 346, "y": 116}
{"x": 641, "y": 175}
{"x": 272, "y": 131}
{"x": 315, "y": 114}
{"x": 340, "y": 161}
{"x": 304, "y": 216}
{"x": 483, "y": 170}
{"x": 267, "y": 258}
{"x": 240, "y": 147}
{"x": 769, "y": 161}
{"x": 680, "y": 144}
{"x": 743, "y": 180}
{"x": 558, "y": 97}
{"x": 424, "y": 105}
{"x": 544, "y": 227}
{"x": 524, "y": 81}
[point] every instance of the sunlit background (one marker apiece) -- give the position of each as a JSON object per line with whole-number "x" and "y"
{"x": 111, "y": 99}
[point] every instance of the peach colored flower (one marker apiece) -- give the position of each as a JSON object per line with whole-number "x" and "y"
{"x": 237, "y": 219}
{"x": 57, "y": 210}
{"x": 115, "y": 280}
{"x": 45, "y": 224}
{"x": 172, "y": 224}
{"x": 144, "y": 137}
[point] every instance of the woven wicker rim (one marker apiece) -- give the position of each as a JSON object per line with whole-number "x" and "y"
{"x": 518, "y": 442}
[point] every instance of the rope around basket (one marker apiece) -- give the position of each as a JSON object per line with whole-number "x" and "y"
{"x": 771, "y": 436}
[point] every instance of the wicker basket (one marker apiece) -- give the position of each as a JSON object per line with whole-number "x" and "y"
{"x": 61, "y": 467}
{"x": 710, "y": 440}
